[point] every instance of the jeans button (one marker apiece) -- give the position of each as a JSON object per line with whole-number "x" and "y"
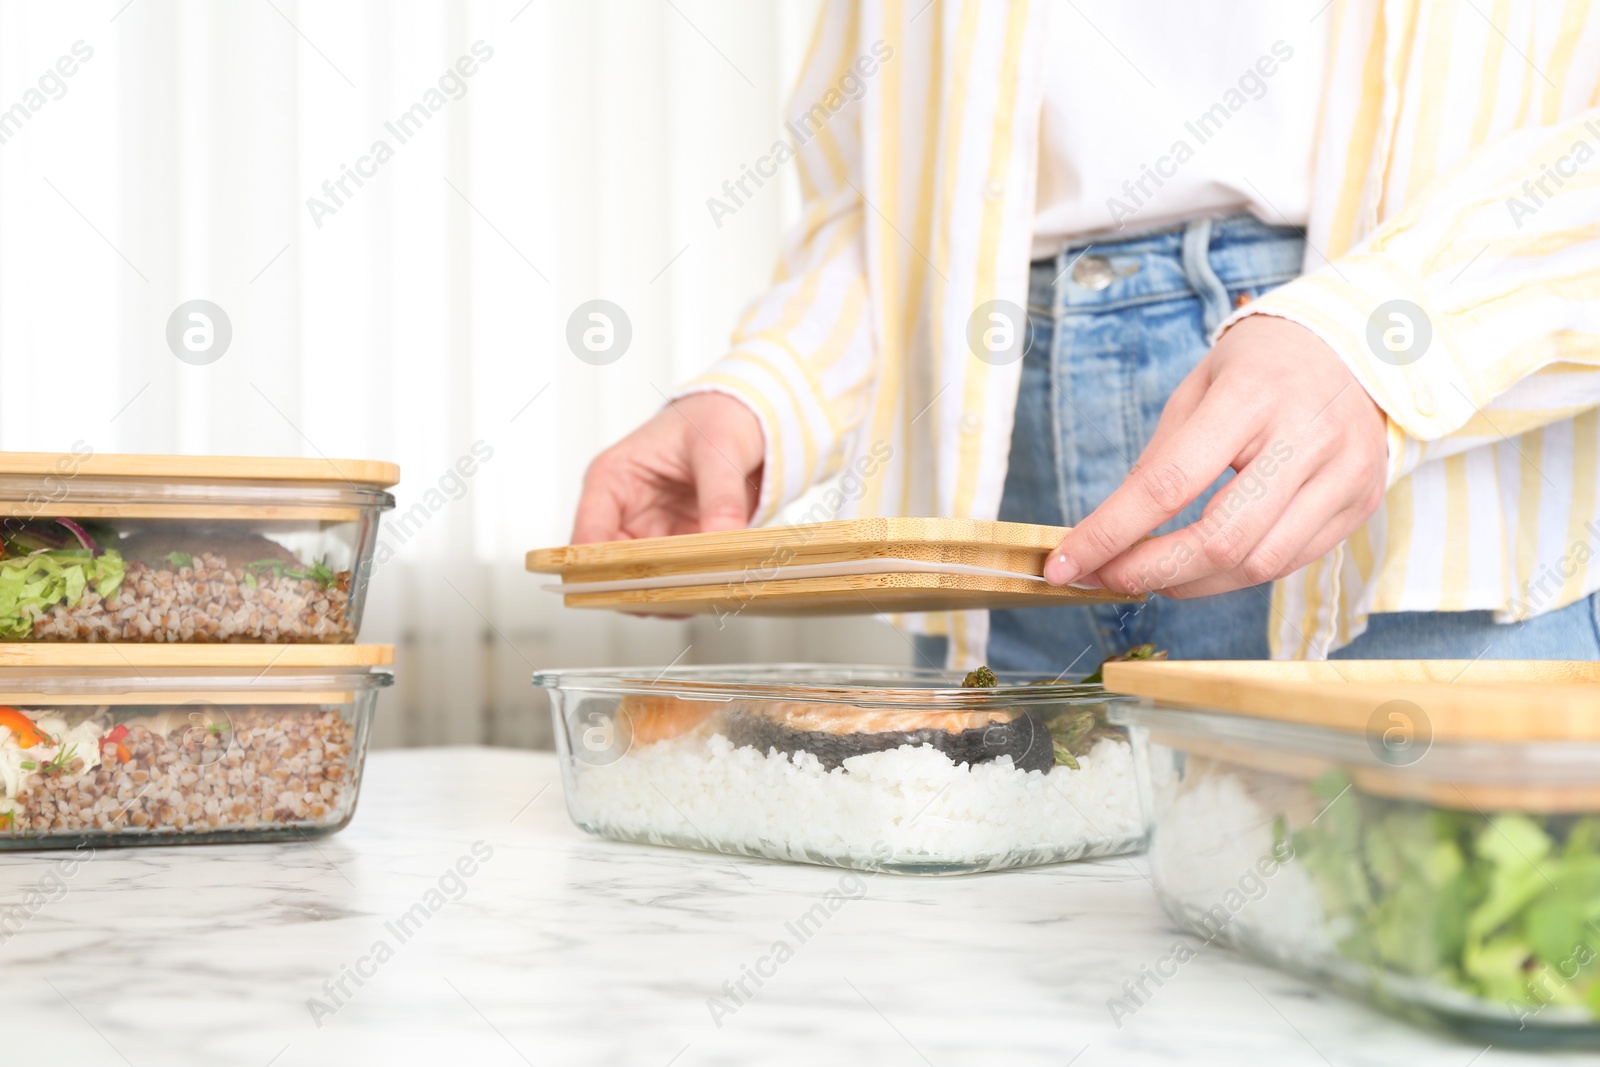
{"x": 1093, "y": 272}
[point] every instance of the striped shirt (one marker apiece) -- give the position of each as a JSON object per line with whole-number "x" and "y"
{"x": 1457, "y": 168}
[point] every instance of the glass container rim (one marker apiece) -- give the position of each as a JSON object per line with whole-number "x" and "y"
{"x": 1528, "y": 763}
{"x": 114, "y": 489}
{"x": 794, "y": 682}
{"x": 132, "y": 682}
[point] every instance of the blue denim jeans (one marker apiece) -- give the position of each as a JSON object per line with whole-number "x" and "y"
{"x": 1113, "y": 328}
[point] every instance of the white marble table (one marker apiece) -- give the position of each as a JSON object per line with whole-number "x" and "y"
{"x": 564, "y": 949}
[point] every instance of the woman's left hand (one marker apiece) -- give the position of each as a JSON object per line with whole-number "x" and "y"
{"x": 1278, "y": 406}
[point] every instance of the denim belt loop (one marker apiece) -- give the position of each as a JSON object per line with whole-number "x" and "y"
{"x": 1197, "y": 269}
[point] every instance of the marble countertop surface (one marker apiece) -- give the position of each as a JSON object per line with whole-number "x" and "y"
{"x": 555, "y": 947}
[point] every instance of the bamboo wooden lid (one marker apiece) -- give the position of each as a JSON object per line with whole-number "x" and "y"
{"x": 220, "y": 656}
{"x": 1463, "y": 701}
{"x": 1470, "y": 704}
{"x": 848, "y": 566}
{"x": 203, "y": 468}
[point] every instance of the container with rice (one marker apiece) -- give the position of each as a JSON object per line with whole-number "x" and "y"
{"x": 879, "y": 768}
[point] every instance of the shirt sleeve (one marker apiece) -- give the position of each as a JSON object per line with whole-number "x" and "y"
{"x": 1473, "y": 313}
{"x": 803, "y": 357}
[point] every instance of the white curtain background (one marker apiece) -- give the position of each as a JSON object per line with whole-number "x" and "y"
{"x": 426, "y": 314}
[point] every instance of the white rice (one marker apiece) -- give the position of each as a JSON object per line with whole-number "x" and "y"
{"x": 907, "y": 808}
{"x": 1212, "y": 857}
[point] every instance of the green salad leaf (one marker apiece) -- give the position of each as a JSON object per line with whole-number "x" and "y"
{"x": 180, "y": 560}
{"x": 31, "y": 585}
{"x": 110, "y": 569}
{"x": 1502, "y": 906}
{"x": 1074, "y": 731}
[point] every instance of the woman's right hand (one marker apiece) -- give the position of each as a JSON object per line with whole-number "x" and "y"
{"x": 694, "y": 467}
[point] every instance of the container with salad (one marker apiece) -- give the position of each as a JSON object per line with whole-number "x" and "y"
{"x": 187, "y": 744}
{"x": 1422, "y": 834}
{"x": 186, "y": 549}
{"x": 880, "y": 768}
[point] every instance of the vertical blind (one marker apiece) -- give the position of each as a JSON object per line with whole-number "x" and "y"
{"x": 398, "y": 207}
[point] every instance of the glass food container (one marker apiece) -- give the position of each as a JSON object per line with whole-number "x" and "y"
{"x": 140, "y": 745}
{"x": 878, "y": 768}
{"x": 187, "y": 549}
{"x": 1421, "y": 834}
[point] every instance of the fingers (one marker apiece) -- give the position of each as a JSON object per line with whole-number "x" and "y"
{"x": 725, "y": 445}
{"x": 1324, "y": 512}
{"x": 1234, "y": 523}
{"x": 599, "y": 510}
{"x": 684, "y": 471}
{"x": 1258, "y": 385}
{"x": 1153, "y": 492}
{"x": 722, "y": 492}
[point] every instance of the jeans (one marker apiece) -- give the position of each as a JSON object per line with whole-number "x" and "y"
{"x": 1114, "y": 327}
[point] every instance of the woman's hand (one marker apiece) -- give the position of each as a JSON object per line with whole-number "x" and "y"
{"x": 1274, "y": 403}
{"x": 695, "y": 466}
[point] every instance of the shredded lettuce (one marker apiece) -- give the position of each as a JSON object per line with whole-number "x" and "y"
{"x": 108, "y": 574}
{"x": 31, "y": 585}
{"x": 1503, "y": 906}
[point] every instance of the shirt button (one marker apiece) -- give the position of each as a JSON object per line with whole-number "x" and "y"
{"x": 971, "y": 423}
{"x": 994, "y": 188}
{"x": 1093, "y": 272}
{"x": 1423, "y": 398}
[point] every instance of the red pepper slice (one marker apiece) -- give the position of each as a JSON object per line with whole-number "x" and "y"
{"x": 27, "y": 733}
{"x": 117, "y": 734}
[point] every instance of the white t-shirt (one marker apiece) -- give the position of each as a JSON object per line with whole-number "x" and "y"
{"x": 1157, "y": 112}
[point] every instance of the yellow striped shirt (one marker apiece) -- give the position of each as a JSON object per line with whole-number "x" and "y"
{"x": 1457, "y": 167}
